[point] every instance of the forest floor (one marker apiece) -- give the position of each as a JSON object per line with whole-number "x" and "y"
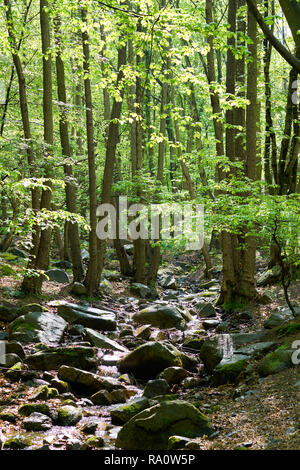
{"x": 255, "y": 413}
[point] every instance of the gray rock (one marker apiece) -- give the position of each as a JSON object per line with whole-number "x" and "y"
{"x": 101, "y": 341}
{"x": 277, "y": 318}
{"x": 8, "y": 313}
{"x": 103, "y": 397}
{"x": 58, "y": 275}
{"x": 155, "y": 388}
{"x": 98, "y": 319}
{"x": 160, "y": 316}
{"x": 168, "y": 282}
{"x": 151, "y": 428}
{"x": 53, "y": 358}
{"x": 174, "y": 375}
{"x": 37, "y": 327}
{"x": 274, "y": 362}
{"x": 141, "y": 290}
{"x": 37, "y": 422}
{"x": 123, "y": 413}
{"x": 255, "y": 350}
{"x": 147, "y": 360}
{"x": 88, "y": 381}
{"x": 210, "y": 324}
{"x": 205, "y": 309}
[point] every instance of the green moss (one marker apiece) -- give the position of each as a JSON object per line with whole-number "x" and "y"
{"x": 289, "y": 329}
{"x": 17, "y": 442}
{"x": 28, "y": 409}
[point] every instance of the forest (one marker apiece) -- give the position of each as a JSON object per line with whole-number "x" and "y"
{"x": 149, "y": 225}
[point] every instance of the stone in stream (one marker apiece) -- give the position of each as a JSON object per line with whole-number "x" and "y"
{"x": 8, "y": 313}
{"x": 58, "y": 275}
{"x": 150, "y": 429}
{"x": 160, "y": 316}
{"x": 101, "y": 341}
{"x": 37, "y": 327}
{"x": 37, "y": 422}
{"x": 89, "y": 317}
{"x": 149, "y": 359}
{"x": 156, "y": 388}
{"x": 87, "y": 381}
{"x": 52, "y": 359}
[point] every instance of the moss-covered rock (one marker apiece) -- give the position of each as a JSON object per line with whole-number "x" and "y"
{"x": 68, "y": 416}
{"x": 149, "y": 359}
{"x": 151, "y": 428}
{"x": 174, "y": 375}
{"x": 229, "y": 369}
{"x": 29, "y": 408}
{"x": 52, "y": 359}
{"x": 36, "y": 327}
{"x": 275, "y": 362}
{"x": 160, "y": 316}
{"x": 124, "y": 413}
{"x": 17, "y": 442}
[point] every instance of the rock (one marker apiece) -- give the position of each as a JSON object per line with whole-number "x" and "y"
{"x": 103, "y": 397}
{"x": 193, "y": 343}
{"x": 240, "y": 339}
{"x": 277, "y": 318}
{"x": 255, "y": 350}
{"x": 87, "y": 380}
{"x": 68, "y": 416}
{"x": 16, "y": 372}
{"x": 37, "y": 422}
{"x": 90, "y": 426}
{"x": 15, "y": 348}
{"x": 94, "y": 442}
{"x": 160, "y": 316}
{"x": 150, "y": 429}
{"x": 8, "y": 417}
{"x": 10, "y": 360}
{"x": 37, "y": 327}
{"x": 229, "y": 369}
{"x": 205, "y": 309}
{"x": 29, "y": 408}
{"x": 41, "y": 393}
{"x": 141, "y": 290}
{"x": 58, "y": 275}
{"x": 275, "y": 362}
{"x": 101, "y": 341}
{"x": 17, "y": 442}
{"x": 244, "y": 316}
{"x": 271, "y": 276}
{"x": 143, "y": 332}
{"x": 78, "y": 289}
{"x": 177, "y": 442}
{"x": 87, "y": 316}
{"x": 119, "y": 396}
{"x": 31, "y": 308}
{"x": 147, "y": 360}
{"x": 167, "y": 282}
{"x": 211, "y": 352}
{"x": 60, "y": 385}
{"x": 52, "y": 359}
{"x": 124, "y": 413}
{"x": 8, "y": 313}
{"x": 63, "y": 264}
{"x": 210, "y": 324}
{"x": 155, "y": 388}
{"x": 174, "y": 375}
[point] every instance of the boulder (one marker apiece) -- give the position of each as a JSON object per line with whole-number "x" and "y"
{"x": 68, "y": 415}
{"x": 58, "y": 275}
{"x": 156, "y": 387}
{"x": 161, "y": 316}
{"x": 8, "y": 313}
{"x": 205, "y": 309}
{"x": 149, "y": 359}
{"x": 53, "y": 358}
{"x": 98, "y": 319}
{"x": 229, "y": 369}
{"x": 37, "y": 327}
{"x": 121, "y": 414}
{"x": 278, "y": 317}
{"x": 150, "y": 429}
{"x": 17, "y": 442}
{"x": 141, "y": 290}
{"x": 174, "y": 375}
{"x": 167, "y": 281}
{"x": 78, "y": 289}
{"x": 271, "y": 276}
{"x": 87, "y": 381}
{"x": 37, "y": 422}
{"x": 101, "y": 341}
{"x": 274, "y": 362}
